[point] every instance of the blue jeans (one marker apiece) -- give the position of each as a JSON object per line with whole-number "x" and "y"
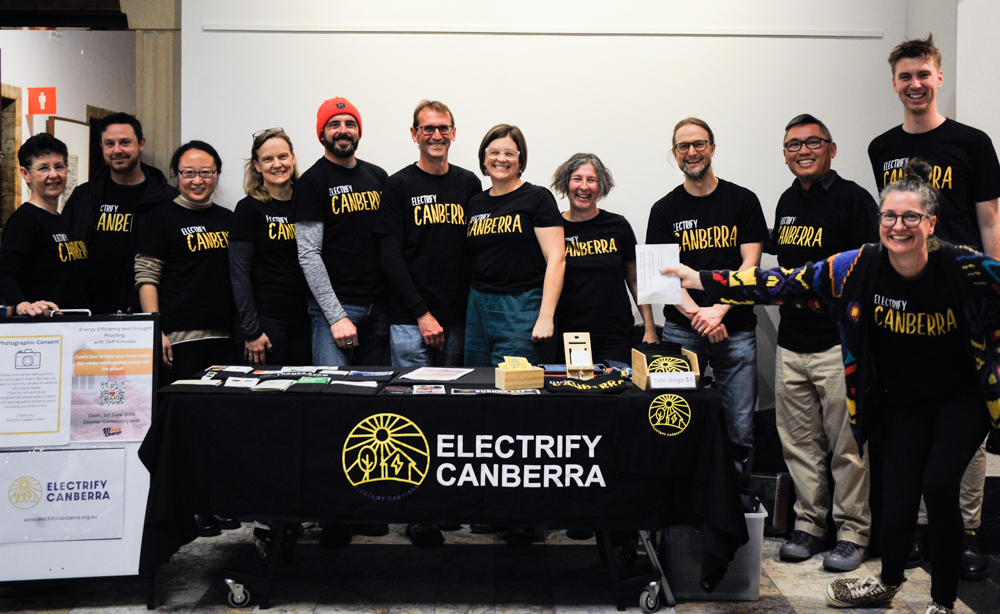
{"x": 734, "y": 365}
{"x": 498, "y": 325}
{"x": 409, "y": 349}
{"x": 372, "y": 322}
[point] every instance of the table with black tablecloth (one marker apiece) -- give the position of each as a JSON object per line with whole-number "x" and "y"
{"x": 634, "y": 460}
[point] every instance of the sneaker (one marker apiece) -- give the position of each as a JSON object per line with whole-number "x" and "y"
{"x": 859, "y": 592}
{"x": 974, "y": 564}
{"x": 424, "y": 535}
{"x": 933, "y": 608}
{"x": 846, "y": 556}
{"x": 800, "y": 546}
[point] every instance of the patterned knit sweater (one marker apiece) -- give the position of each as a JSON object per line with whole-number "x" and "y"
{"x": 842, "y": 286}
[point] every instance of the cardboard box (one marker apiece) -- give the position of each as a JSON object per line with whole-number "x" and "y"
{"x": 640, "y": 370}
{"x": 519, "y": 380}
{"x": 742, "y": 580}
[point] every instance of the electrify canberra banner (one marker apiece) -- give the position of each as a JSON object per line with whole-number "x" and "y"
{"x": 64, "y": 495}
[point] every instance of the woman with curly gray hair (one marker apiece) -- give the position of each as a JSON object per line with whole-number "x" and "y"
{"x": 600, "y": 263}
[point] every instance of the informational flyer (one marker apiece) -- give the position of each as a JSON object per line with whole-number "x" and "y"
{"x": 34, "y": 385}
{"x": 653, "y": 286}
{"x": 112, "y": 380}
{"x": 62, "y": 495}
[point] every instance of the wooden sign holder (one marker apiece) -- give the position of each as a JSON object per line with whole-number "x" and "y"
{"x": 578, "y": 342}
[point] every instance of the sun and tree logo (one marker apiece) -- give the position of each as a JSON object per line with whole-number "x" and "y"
{"x": 386, "y": 456}
{"x": 669, "y": 414}
{"x": 669, "y": 364}
{"x": 25, "y": 492}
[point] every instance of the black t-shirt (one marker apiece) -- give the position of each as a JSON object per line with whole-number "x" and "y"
{"x": 110, "y": 245}
{"x": 916, "y": 344}
{"x": 966, "y": 172}
{"x": 279, "y": 287}
{"x": 346, "y": 200}
{"x": 194, "y": 290}
{"x": 428, "y": 213}
{"x": 594, "y": 296}
{"x": 506, "y": 256}
{"x": 835, "y": 215}
{"x": 710, "y": 230}
{"x": 46, "y": 260}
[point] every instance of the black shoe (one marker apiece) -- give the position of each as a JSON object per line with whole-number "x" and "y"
{"x": 486, "y": 529}
{"x": 800, "y": 546}
{"x": 449, "y": 526}
{"x": 371, "y": 530}
{"x": 919, "y": 550}
{"x": 207, "y": 525}
{"x": 581, "y": 534}
{"x": 519, "y": 537}
{"x": 227, "y": 523}
{"x": 334, "y": 535}
{"x": 974, "y": 564}
{"x": 424, "y": 535}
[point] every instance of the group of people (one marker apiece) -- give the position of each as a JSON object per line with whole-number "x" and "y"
{"x": 347, "y": 265}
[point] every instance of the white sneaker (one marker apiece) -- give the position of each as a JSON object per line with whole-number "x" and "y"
{"x": 933, "y": 608}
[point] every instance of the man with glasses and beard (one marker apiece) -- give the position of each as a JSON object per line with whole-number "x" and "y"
{"x": 718, "y": 225}
{"x": 337, "y": 201}
{"x": 819, "y": 215}
{"x": 107, "y": 212}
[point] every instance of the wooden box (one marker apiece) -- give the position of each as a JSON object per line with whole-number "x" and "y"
{"x": 640, "y": 370}
{"x": 518, "y": 380}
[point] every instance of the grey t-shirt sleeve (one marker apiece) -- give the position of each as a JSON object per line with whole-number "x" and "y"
{"x": 309, "y": 237}
{"x": 240, "y": 261}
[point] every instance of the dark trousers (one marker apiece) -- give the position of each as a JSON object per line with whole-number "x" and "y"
{"x": 191, "y": 357}
{"x": 291, "y": 341}
{"x": 925, "y": 448}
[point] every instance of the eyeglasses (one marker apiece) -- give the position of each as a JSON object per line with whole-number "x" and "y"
{"x": 506, "y": 153}
{"x": 188, "y": 174}
{"x": 429, "y": 130}
{"x": 45, "y": 170}
{"x": 697, "y": 145}
{"x": 813, "y": 142}
{"x": 911, "y": 219}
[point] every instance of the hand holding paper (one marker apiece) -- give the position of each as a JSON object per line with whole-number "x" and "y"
{"x": 652, "y": 285}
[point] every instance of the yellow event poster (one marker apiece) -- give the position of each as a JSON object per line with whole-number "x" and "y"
{"x": 112, "y": 380}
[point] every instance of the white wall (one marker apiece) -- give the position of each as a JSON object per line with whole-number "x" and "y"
{"x": 978, "y": 74}
{"x": 575, "y": 84}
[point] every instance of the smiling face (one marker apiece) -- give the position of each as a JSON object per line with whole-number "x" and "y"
{"x": 121, "y": 148}
{"x": 900, "y": 240}
{"x": 275, "y": 162}
{"x": 916, "y": 82}
{"x": 502, "y": 168}
{"x": 47, "y": 176}
{"x": 197, "y": 189}
{"x": 694, "y": 164}
{"x": 809, "y": 164}
{"x": 583, "y": 190}
{"x": 435, "y": 146}
{"x": 341, "y": 135}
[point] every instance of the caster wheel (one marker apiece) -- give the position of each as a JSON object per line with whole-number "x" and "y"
{"x": 262, "y": 550}
{"x": 628, "y": 554}
{"x": 649, "y": 601}
{"x": 239, "y": 602}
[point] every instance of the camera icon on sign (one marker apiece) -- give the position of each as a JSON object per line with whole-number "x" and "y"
{"x": 27, "y": 359}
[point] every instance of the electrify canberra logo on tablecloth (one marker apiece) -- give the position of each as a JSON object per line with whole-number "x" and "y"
{"x": 25, "y": 492}
{"x": 386, "y": 457}
{"x": 669, "y": 414}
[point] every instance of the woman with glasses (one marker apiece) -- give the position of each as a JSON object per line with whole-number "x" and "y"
{"x": 43, "y": 265}
{"x": 920, "y": 321}
{"x": 268, "y": 284}
{"x": 182, "y": 267}
{"x": 516, "y": 240}
{"x": 600, "y": 263}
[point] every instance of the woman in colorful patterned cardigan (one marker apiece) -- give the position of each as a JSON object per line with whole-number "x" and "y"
{"x": 920, "y": 327}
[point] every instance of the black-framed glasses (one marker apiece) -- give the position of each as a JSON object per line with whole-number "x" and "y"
{"x": 266, "y": 130}
{"x": 445, "y": 130}
{"x": 697, "y": 145}
{"x": 813, "y": 143}
{"x": 911, "y": 219}
{"x": 189, "y": 174}
{"x": 509, "y": 154}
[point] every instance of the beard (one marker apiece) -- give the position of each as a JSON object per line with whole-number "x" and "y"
{"x": 700, "y": 174}
{"x": 337, "y": 148}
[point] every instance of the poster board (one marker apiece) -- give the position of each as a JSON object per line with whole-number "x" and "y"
{"x": 76, "y": 508}
{"x": 76, "y": 135}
